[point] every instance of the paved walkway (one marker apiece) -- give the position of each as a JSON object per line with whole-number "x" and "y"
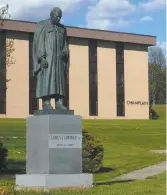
{"x": 143, "y": 173}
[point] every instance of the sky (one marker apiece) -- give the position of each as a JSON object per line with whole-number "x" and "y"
{"x": 133, "y": 16}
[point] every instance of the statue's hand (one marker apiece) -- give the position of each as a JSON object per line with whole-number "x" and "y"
{"x": 44, "y": 63}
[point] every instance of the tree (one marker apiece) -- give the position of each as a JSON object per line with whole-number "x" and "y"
{"x": 157, "y": 76}
{"x": 9, "y": 46}
{"x": 4, "y": 13}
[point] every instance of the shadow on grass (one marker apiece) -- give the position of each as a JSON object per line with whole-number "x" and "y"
{"x": 13, "y": 167}
{"x": 113, "y": 182}
{"x": 105, "y": 170}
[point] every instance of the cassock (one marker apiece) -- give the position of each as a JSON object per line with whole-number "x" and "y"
{"x": 49, "y": 41}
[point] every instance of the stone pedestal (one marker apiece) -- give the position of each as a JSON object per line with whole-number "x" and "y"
{"x": 54, "y": 153}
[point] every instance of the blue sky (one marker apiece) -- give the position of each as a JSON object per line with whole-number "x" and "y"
{"x": 133, "y": 16}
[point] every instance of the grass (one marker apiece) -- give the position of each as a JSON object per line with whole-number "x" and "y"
{"x": 127, "y": 145}
{"x": 154, "y": 186}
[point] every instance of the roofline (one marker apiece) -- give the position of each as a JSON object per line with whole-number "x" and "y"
{"x": 92, "y": 29}
{"x": 29, "y": 26}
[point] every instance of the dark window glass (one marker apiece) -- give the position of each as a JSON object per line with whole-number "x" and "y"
{"x": 66, "y": 98}
{"x": 120, "y": 105}
{"x": 120, "y": 79}
{"x": 119, "y": 58}
{"x": 66, "y": 101}
{"x": 2, "y": 72}
{"x": 93, "y": 79}
{"x": 93, "y": 91}
{"x": 119, "y": 48}
{"x": 33, "y": 102}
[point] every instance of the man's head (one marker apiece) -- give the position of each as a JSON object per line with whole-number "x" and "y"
{"x": 55, "y": 15}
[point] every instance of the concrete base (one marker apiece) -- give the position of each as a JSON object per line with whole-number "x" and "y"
{"x": 51, "y": 181}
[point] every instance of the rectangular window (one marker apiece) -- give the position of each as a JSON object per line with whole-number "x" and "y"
{"x": 66, "y": 103}
{"x": 120, "y": 79}
{"x": 33, "y": 102}
{"x": 2, "y": 72}
{"x": 93, "y": 89}
{"x": 66, "y": 100}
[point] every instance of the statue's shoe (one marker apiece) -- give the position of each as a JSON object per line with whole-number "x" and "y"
{"x": 60, "y": 106}
{"x": 47, "y": 107}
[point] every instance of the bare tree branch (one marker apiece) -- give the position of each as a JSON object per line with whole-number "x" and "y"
{"x": 3, "y": 14}
{"x": 157, "y": 75}
{"x": 156, "y": 56}
{"x": 9, "y": 47}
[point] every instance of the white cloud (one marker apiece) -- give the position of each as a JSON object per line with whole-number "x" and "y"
{"x": 37, "y": 8}
{"x": 162, "y": 44}
{"x": 81, "y": 26}
{"x": 146, "y": 18}
{"x": 99, "y": 24}
{"x": 109, "y": 13}
{"x": 152, "y": 5}
{"x": 110, "y": 8}
{"x": 108, "y": 24}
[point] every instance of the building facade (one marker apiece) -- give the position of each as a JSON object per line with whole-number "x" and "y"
{"x": 108, "y": 76}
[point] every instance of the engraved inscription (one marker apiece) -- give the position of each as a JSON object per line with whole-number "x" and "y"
{"x": 65, "y": 141}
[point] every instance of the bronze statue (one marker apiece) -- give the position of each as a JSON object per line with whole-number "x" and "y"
{"x": 51, "y": 60}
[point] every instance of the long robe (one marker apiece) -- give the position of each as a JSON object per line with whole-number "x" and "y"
{"x": 49, "y": 41}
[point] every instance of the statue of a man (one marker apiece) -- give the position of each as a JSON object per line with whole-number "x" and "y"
{"x": 51, "y": 60}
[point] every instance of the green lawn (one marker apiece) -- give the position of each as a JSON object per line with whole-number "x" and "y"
{"x": 127, "y": 145}
{"x": 154, "y": 186}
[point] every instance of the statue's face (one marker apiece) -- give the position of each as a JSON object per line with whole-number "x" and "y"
{"x": 56, "y": 16}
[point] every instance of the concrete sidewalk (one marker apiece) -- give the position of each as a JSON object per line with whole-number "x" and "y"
{"x": 143, "y": 173}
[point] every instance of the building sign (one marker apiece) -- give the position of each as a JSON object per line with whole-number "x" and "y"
{"x": 65, "y": 141}
{"x": 137, "y": 103}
